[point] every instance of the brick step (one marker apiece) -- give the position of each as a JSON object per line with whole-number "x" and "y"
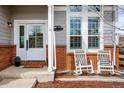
{"x": 34, "y": 64}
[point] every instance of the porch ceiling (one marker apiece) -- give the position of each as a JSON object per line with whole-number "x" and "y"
{"x": 28, "y": 12}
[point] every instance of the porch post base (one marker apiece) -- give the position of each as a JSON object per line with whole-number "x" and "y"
{"x": 50, "y": 69}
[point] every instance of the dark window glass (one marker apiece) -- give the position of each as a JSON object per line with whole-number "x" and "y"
{"x": 75, "y": 25}
{"x": 93, "y": 32}
{"x": 75, "y": 42}
{"x": 35, "y": 36}
{"x": 21, "y": 29}
{"x": 93, "y": 42}
{"x": 93, "y": 25}
{"x": 75, "y": 8}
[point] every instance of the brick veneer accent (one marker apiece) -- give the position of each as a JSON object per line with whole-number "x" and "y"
{"x": 7, "y": 54}
{"x": 65, "y": 61}
{"x": 108, "y": 47}
{"x": 61, "y": 56}
{"x": 93, "y": 56}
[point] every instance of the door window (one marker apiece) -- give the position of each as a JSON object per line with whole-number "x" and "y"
{"x": 21, "y": 36}
{"x": 35, "y": 36}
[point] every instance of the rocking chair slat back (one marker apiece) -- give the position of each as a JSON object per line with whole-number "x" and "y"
{"x": 104, "y": 56}
{"x": 80, "y": 57}
{"x": 105, "y": 62}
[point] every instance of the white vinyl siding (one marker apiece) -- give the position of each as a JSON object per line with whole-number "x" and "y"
{"x": 4, "y": 30}
{"x": 108, "y": 29}
{"x": 60, "y": 19}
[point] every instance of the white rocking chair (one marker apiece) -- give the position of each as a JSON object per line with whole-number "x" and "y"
{"x": 81, "y": 62}
{"x": 104, "y": 62}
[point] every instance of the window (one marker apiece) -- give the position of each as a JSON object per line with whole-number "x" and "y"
{"x": 21, "y": 29}
{"x": 35, "y": 36}
{"x": 75, "y": 8}
{"x": 93, "y": 8}
{"x": 93, "y": 33}
{"x": 75, "y": 32}
{"x": 84, "y": 29}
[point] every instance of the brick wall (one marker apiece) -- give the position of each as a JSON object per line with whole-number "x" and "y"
{"x": 66, "y": 60}
{"x": 61, "y": 56}
{"x": 7, "y": 54}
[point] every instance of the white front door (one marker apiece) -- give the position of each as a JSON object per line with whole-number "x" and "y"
{"x": 30, "y": 41}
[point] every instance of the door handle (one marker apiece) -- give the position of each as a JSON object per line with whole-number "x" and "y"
{"x": 27, "y": 45}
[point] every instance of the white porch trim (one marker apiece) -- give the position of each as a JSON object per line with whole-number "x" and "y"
{"x": 24, "y": 22}
{"x": 50, "y": 36}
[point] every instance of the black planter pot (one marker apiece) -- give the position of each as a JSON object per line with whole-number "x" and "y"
{"x": 17, "y": 61}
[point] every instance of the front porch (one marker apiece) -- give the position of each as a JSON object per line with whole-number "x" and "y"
{"x": 16, "y": 41}
{"x": 40, "y": 74}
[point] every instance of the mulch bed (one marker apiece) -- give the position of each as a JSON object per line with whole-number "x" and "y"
{"x": 80, "y": 84}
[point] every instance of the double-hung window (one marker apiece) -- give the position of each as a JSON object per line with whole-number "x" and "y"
{"x": 93, "y": 33}
{"x": 75, "y": 26}
{"x": 84, "y": 29}
{"x": 75, "y": 32}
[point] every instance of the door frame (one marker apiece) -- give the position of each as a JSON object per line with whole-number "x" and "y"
{"x": 21, "y": 21}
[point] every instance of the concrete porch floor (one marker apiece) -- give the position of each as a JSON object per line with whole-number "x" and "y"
{"x": 40, "y": 74}
{"x": 18, "y": 83}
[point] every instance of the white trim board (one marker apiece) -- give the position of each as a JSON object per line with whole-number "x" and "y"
{"x": 18, "y": 22}
{"x": 84, "y": 14}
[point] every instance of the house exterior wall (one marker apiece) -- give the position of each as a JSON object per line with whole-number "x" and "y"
{"x": 4, "y": 30}
{"x": 7, "y": 51}
{"x": 10, "y": 13}
{"x": 108, "y": 30}
{"x": 65, "y": 60}
{"x": 109, "y": 20}
{"x": 7, "y": 55}
{"x": 28, "y": 13}
{"x": 60, "y": 19}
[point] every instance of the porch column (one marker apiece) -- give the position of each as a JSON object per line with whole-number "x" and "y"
{"x": 50, "y": 36}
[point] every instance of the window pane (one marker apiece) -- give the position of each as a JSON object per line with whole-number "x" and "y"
{"x": 93, "y": 8}
{"x": 75, "y": 42}
{"x": 75, "y": 25}
{"x": 21, "y": 29}
{"x": 39, "y": 37}
{"x": 93, "y": 25}
{"x": 35, "y": 36}
{"x": 32, "y": 31}
{"x": 93, "y": 42}
{"x": 75, "y": 8}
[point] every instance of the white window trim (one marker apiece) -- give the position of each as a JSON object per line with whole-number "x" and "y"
{"x": 23, "y": 21}
{"x": 84, "y": 28}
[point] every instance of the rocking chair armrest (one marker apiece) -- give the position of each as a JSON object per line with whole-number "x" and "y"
{"x": 91, "y": 62}
{"x": 98, "y": 62}
{"x": 112, "y": 63}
